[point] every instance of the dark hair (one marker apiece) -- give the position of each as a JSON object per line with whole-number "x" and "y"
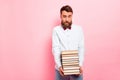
{"x": 66, "y": 8}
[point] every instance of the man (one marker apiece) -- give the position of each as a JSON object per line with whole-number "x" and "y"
{"x": 67, "y": 36}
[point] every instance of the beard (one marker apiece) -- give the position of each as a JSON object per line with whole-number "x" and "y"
{"x": 66, "y": 24}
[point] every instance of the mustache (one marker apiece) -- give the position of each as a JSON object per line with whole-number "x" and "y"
{"x": 67, "y": 22}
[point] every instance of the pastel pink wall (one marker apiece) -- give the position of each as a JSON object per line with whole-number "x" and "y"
{"x": 25, "y": 38}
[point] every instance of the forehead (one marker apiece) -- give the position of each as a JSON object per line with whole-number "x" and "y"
{"x": 66, "y": 13}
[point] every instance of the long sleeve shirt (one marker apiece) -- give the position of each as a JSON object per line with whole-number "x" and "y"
{"x": 69, "y": 39}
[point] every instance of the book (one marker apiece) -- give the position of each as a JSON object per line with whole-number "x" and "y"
{"x": 70, "y": 52}
{"x": 70, "y": 62}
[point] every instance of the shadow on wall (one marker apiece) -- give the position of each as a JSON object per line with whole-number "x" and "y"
{"x": 48, "y": 45}
{"x": 56, "y": 22}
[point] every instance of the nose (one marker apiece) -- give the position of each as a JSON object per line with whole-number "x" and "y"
{"x": 67, "y": 18}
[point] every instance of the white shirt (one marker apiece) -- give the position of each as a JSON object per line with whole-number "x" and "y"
{"x": 69, "y": 39}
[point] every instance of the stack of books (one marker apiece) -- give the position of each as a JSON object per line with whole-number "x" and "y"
{"x": 70, "y": 62}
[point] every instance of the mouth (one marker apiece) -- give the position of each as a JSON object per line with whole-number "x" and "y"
{"x": 66, "y": 22}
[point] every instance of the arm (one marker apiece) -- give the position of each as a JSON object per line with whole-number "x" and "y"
{"x": 56, "y": 48}
{"x": 81, "y": 49}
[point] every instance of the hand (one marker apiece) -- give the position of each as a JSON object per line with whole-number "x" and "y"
{"x": 81, "y": 71}
{"x": 61, "y": 71}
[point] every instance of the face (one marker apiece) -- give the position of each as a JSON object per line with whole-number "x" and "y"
{"x": 66, "y": 18}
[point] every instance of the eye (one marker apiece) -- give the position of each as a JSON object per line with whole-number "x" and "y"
{"x": 64, "y": 16}
{"x": 69, "y": 16}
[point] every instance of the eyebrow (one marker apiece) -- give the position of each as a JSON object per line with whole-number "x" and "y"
{"x": 66, "y": 15}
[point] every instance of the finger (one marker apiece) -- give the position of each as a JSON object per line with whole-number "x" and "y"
{"x": 81, "y": 72}
{"x": 61, "y": 69}
{"x": 61, "y": 73}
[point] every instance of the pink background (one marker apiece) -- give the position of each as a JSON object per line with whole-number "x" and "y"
{"x": 25, "y": 38}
